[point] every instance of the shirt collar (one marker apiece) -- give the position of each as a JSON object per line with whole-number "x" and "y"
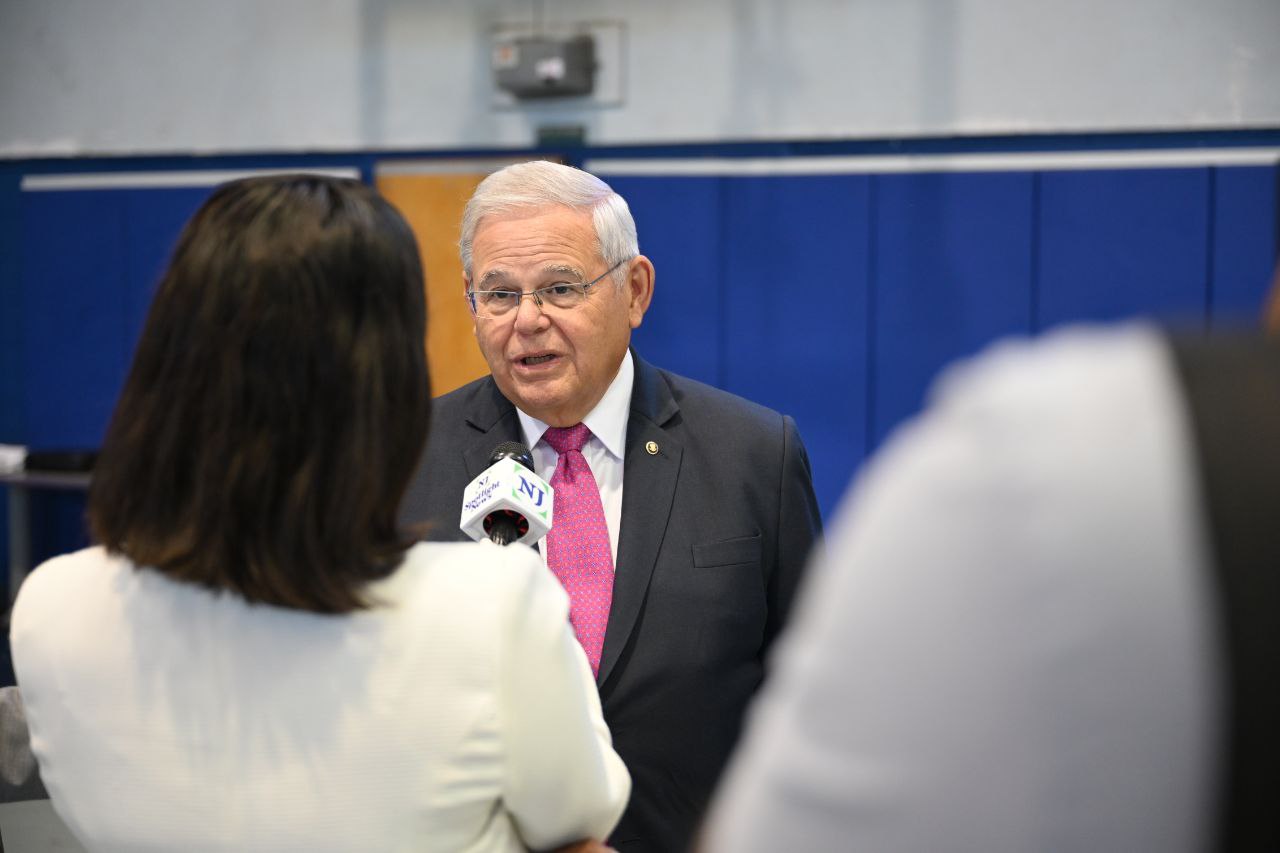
{"x": 607, "y": 421}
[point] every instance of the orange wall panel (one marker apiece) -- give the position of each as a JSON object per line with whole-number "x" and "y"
{"x": 432, "y": 205}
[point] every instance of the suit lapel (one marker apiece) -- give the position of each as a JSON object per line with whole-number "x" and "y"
{"x": 648, "y": 489}
{"x": 492, "y": 419}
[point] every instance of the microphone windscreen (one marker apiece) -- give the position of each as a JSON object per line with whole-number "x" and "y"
{"x": 512, "y": 450}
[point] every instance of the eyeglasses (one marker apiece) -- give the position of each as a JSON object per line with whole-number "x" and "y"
{"x": 505, "y": 304}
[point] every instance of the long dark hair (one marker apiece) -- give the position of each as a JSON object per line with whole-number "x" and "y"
{"x": 278, "y": 398}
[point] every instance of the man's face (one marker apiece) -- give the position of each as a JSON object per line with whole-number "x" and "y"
{"x": 554, "y": 365}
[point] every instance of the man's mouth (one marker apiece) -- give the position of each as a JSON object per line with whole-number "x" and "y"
{"x": 531, "y": 360}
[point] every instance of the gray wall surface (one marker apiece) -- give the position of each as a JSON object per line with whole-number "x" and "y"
{"x": 80, "y": 77}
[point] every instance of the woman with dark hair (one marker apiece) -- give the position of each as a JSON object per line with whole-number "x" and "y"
{"x": 254, "y": 657}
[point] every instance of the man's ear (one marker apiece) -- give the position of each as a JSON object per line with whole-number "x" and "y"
{"x": 639, "y": 289}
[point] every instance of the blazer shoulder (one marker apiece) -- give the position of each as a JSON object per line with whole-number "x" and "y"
{"x": 474, "y": 409}
{"x": 460, "y": 421}
{"x": 701, "y": 402}
{"x": 466, "y": 397}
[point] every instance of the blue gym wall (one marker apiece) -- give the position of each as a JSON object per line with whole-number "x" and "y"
{"x": 832, "y": 297}
{"x": 837, "y": 298}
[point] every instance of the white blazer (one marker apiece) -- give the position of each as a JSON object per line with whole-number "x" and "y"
{"x": 457, "y": 715}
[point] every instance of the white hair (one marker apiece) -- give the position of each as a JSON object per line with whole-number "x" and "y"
{"x": 541, "y": 183}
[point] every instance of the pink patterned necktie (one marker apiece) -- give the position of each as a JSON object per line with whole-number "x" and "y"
{"x": 578, "y": 550}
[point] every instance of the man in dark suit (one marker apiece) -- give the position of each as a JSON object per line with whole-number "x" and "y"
{"x": 682, "y": 556}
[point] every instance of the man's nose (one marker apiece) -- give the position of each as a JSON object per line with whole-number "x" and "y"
{"x": 529, "y": 317}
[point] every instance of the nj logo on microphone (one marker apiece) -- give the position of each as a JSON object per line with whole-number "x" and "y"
{"x": 508, "y": 489}
{"x": 535, "y": 493}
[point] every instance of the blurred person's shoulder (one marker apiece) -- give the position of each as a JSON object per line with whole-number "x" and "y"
{"x": 56, "y": 585}
{"x": 1054, "y": 419}
{"x": 1064, "y": 367}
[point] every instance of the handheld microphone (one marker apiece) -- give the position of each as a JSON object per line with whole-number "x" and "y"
{"x": 508, "y": 502}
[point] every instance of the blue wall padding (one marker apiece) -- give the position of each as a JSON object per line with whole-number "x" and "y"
{"x": 953, "y": 272}
{"x": 74, "y": 281}
{"x": 1118, "y": 243}
{"x": 797, "y": 310}
{"x": 735, "y": 306}
{"x": 12, "y": 315}
{"x": 833, "y": 298}
{"x": 12, "y": 371}
{"x": 58, "y": 523}
{"x": 679, "y": 223}
{"x": 1245, "y": 242}
{"x": 154, "y": 219}
{"x": 91, "y": 262}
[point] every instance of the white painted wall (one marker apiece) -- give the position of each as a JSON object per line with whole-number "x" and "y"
{"x": 82, "y": 77}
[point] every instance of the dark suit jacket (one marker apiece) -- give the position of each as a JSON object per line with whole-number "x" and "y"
{"x": 716, "y": 526}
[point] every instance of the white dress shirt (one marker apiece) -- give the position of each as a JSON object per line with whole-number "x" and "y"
{"x": 1010, "y": 643}
{"x": 605, "y": 451}
{"x": 457, "y": 714}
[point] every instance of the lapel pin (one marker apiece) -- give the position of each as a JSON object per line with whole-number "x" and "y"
{"x": 652, "y": 447}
